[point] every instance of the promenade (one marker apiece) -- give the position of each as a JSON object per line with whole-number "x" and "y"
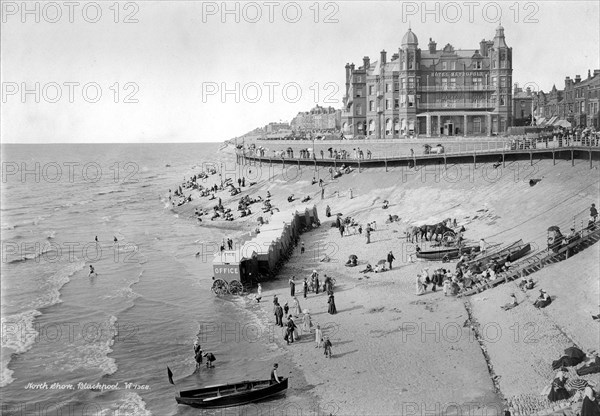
{"x": 454, "y": 153}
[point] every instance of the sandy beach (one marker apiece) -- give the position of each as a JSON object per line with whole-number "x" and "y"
{"x": 414, "y": 354}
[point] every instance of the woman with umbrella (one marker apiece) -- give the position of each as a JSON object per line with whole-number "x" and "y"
{"x": 332, "y": 309}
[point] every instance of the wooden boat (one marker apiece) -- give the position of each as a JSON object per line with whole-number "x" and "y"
{"x": 234, "y": 394}
{"x": 446, "y": 253}
{"x": 501, "y": 253}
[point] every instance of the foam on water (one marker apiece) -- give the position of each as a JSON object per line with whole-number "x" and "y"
{"x": 130, "y": 405}
{"x": 52, "y": 286}
{"x": 18, "y": 336}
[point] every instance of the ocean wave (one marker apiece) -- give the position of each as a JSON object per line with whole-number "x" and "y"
{"x": 34, "y": 221}
{"x": 114, "y": 191}
{"x": 55, "y": 283}
{"x": 18, "y": 336}
{"x": 131, "y": 405}
{"x": 33, "y": 256}
{"x": 91, "y": 351}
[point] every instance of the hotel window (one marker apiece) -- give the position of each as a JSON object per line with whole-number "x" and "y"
{"x": 503, "y": 82}
{"x": 359, "y": 92}
{"x": 411, "y": 100}
{"x": 452, "y": 65}
{"x": 452, "y": 84}
{"x": 503, "y": 64}
{"x": 359, "y": 110}
{"x": 371, "y": 105}
{"x": 387, "y": 104}
{"x": 411, "y": 59}
{"x": 444, "y": 66}
{"x": 388, "y": 126}
{"x": 388, "y": 87}
{"x": 444, "y": 83}
{"x": 418, "y": 82}
{"x": 396, "y": 86}
{"x": 411, "y": 83}
{"x": 403, "y": 83}
{"x": 494, "y": 81}
{"x": 477, "y": 65}
{"x": 403, "y": 101}
{"x": 477, "y": 125}
{"x": 582, "y": 107}
{"x": 493, "y": 64}
{"x": 396, "y": 103}
{"x": 477, "y": 82}
{"x": 502, "y": 100}
{"x": 396, "y": 126}
{"x": 370, "y": 90}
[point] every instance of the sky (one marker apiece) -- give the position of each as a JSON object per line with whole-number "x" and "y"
{"x": 197, "y": 71}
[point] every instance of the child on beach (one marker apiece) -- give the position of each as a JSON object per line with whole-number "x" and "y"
{"x": 318, "y": 336}
{"x": 327, "y": 347}
{"x": 259, "y": 293}
{"x": 446, "y": 286}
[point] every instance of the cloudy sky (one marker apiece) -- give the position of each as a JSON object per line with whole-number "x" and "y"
{"x": 181, "y": 71}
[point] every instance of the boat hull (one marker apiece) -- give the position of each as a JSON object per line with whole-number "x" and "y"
{"x": 236, "y": 394}
{"x": 451, "y": 253}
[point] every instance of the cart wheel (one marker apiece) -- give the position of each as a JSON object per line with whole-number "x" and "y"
{"x": 220, "y": 287}
{"x": 236, "y": 288}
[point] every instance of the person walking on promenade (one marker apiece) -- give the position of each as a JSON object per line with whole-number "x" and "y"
{"x": 342, "y": 230}
{"x": 322, "y": 193}
{"x": 593, "y": 213}
{"x": 292, "y": 286}
{"x": 332, "y": 309}
{"x": 368, "y": 233}
{"x": 305, "y": 287}
{"x": 390, "y": 258}
{"x": 286, "y": 309}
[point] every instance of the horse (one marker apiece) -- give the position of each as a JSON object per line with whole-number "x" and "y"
{"x": 412, "y": 234}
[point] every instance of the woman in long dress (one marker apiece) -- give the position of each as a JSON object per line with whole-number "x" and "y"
{"x": 297, "y": 310}
{"x": 419, "y": 283}
{"x": 306, "y": 322}
{"x": 331, "y": 301}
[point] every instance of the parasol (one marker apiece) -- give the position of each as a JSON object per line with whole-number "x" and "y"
{"x": 576, "y": 384}
{"x": 381, "y": 261}
{"x": 553, "y": 228}
{"x": 352, "y": 257}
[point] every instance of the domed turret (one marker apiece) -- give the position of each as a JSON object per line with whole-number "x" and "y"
{"x": 499, "y": 41}
{"x": 409, "y": 39}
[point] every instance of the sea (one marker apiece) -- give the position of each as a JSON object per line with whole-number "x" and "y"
{"x": 100, "y": 344}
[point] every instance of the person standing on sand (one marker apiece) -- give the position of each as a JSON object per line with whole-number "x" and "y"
{"x": 278, "y": 315}
{"x": 302, "y": 248}
{"x": 420, "y": 287}
{"x": 259, "y": 293}
{"x": 286, "y": 309}
{"x": 305, "y": 287}
{"x": 322, "y": 193}
{"x": 316, "y": 284}
{"x": 368, "y": 233}
{"x": 390, "y": 258}
{"x": 297, "y": 309}
{"x": 306, "y": 322}
{"x": 327, "y": 347}
{"x": 318, "y": 336}
{"x": 292, "y": 286}
{"x": 274, "y": 376}
{"x": 482, "y": 246}
{"x": 342, "y": 230}
{"x": 332, "y": 309}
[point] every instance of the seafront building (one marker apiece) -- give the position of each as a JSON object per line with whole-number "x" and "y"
{"x": 577, "y": 104}
{"x": 432, "y": 92}
{"x": 318, "y": 118}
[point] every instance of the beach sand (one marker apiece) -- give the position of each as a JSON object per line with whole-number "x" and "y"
{"x": 398, "y": 353}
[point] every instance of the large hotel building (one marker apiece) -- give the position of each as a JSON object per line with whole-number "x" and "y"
{"x": 432, "y": 92}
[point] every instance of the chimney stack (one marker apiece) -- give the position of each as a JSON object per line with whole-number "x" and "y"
{"x": 596, "y": 72}
{"x": 589, "y": 74}
{"x": 396, "y": 56}
{"x": 577, "y": 78}
{"x": 383, "y": 57}
{"x": 366, "y": 62}
{"x": 432, "y": 46}
{"x": 483, "y": 47}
